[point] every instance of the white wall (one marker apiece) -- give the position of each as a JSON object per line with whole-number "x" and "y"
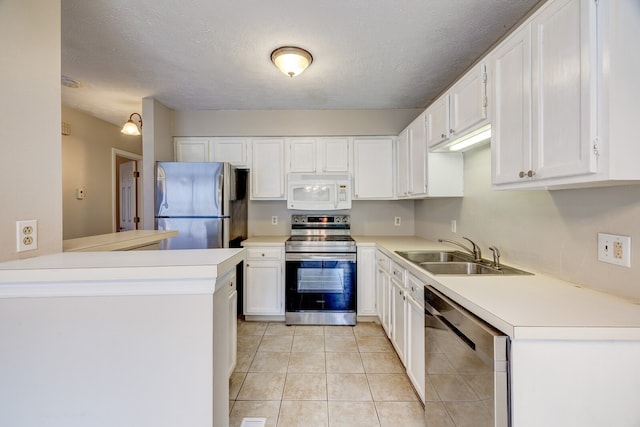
{"x": 553, "y": 232}
{"x": 30, "y": 164}
{"x": 87, "y": 163}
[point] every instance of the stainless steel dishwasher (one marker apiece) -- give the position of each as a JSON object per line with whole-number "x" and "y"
{"x": 466, "y": 367}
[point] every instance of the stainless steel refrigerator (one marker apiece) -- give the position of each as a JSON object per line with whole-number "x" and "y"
{"x": 205, "y": 202}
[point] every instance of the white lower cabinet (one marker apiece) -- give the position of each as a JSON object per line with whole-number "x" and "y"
{"x": 221, "y": 356}
{"x": 414, "y": 360}
{"x": 264, "y": 282}
{"x": 366, "y": 281}
{"x": 383, "y": 291}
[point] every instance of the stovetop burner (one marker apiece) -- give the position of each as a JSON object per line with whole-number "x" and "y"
{"x": 320, "y": 233}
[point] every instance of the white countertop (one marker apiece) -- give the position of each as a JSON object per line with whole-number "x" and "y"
{"x": 121, "y": 241}
{"x": 152, "y": 272}
{"x": 525, "y": 307}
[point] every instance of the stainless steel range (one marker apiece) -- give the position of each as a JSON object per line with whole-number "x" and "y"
{"x": 320, "y": 274}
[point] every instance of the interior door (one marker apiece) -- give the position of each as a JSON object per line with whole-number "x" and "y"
{"x": 127, "y": 194}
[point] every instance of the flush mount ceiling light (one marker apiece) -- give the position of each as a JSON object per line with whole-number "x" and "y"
{"x": 131, "y": 128}
{"x": 291, "y": 60}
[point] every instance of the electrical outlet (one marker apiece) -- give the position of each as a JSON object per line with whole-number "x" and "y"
{"x": 614, "y": 249}
{"x": 397, "y": 221}
{"x": 26, "y": 235}
{"x": 454, "y": 226}
{"x": 274, "y": 220}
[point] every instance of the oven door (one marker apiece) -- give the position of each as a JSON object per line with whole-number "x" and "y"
{"x": 320, "y": 282}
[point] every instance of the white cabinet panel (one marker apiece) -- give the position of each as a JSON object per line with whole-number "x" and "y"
{"x": 302, "y": 155}
{"x": 438, "y": 121}
{"x": 191, "y": 149}
{"x": 267, "y": 170}
{"x": 415, "y": 360}
{"x": 232, "y": 150}
{"x": 264, "y": 288}
{"x": 398, "y": 319}
{"x": 373, "y": 168}
{"x": 468, "y": 102}
{"x": 366, "y": 280}
{"x": 334, "y": 155}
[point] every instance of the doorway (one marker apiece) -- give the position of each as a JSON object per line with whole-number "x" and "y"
{"x": 125, "y": 195}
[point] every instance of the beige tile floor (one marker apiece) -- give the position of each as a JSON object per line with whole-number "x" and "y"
{"x": 320, "y": 376}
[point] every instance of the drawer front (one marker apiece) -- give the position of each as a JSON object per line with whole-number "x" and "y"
{"x": 383, "y": 261}
{"x": 415, "y": 289}
{"x": 265, "y": 253}
{"x": 397, "y": 273}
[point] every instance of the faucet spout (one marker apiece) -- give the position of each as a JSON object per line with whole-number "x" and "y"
{"x": 476, "y": 252}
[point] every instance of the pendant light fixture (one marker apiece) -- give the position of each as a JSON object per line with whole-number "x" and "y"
{"x": 291, "y": 60}
{"x": 130, "y": 128}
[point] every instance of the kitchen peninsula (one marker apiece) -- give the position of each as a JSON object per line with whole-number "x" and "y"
{"x": 117, "y": 338}
{"x": 121, "y": 241}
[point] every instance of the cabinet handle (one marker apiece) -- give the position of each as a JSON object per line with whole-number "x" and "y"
{"x": 530, "y": 173}
{"x": 262, "y": 254}
{"x": 521, "y": 174}
{"x": 442, "y": 135}
{"x": 452, "y": 131}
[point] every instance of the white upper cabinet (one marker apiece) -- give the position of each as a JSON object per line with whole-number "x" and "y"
{"x": 267, "y": 171}
{"x": 191, "y": 149}
{"x": 232, "y": 150}
{"x": 202, "y": 149}
{"x": 563, "y": 85}
{"x": 424, "y": 174}
{"x": 461, "y": 110}
{"x": 373, "y": 163}
{"x": 319, "y": 155}
{"x": 438, "y": 129}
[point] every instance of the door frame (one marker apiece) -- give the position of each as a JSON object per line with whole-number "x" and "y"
{"x": 115, "y": 152}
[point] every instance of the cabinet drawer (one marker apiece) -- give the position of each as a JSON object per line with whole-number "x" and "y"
{"x": 397, "y": 273}
{"x": 264, "y": 253}
{"x": 383, "y": 261}
{"x": 415, "y": 289}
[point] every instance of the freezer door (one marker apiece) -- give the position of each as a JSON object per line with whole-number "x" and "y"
{"x": 189, "y": 189}
{"x": 193, "y": 233}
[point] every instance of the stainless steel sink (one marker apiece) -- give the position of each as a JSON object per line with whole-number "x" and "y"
{"x": 434, "y": 256}
{"x": 457, "y": 263}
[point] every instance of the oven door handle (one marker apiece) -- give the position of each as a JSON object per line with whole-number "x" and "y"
{"x": 320, "y": 257}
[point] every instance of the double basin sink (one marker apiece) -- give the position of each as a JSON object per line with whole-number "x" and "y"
{"x": 456, "y": 263}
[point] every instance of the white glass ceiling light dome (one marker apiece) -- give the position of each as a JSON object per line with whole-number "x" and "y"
{"x": 291, "y": 60}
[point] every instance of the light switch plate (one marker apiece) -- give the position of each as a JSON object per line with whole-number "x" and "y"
{"x": 614, "y": 249}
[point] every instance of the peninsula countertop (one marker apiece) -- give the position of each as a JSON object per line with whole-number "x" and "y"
{"x": 121, "y": 241}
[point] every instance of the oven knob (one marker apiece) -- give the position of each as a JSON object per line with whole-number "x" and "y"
{"x": 338, "y": 219}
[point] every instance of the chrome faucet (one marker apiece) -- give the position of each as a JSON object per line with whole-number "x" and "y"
{"x": 496, "y": 257}
{"x": 476, "y": 252}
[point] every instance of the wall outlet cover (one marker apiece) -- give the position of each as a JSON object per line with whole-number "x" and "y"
{"x": 614, "y": 249}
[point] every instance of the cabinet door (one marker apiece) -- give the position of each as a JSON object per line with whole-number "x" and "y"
{"x": 366, "y": 283}
{"x": 263, "y": 288}
{"x": 232, "y": 150}
{"x": 398, "y": 329}
{"x": 373, "y": 168}
{"x": 438, "y": 121}
{"x": 511, "y": 127}
{"x": 267, "y": 173}
{"x": 563, "y": 101}
{"x": 233, "y": 328}
{"x": 417, "y": 162}
{"x": 415, "y": 360}
{"x": 335, "y": 155}
{"x": 468, "y": 97}
{"x": 189, "y": 149}
{"x": 302, "y": 155}
{"x": 403, "y": 168}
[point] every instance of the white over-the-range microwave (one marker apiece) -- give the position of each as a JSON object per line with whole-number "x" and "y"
{"x": 318, "y": 192}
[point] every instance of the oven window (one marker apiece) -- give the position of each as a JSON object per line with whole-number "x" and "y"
{"x": 320, "y": 280}
{"x": 320, "y": 285}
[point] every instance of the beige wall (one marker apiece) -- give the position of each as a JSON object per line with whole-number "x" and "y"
{"x": 87, "y": 163}
{"x": 554, "y": 232}
{"x": 291, "y": 122}
{"x": 30, "y": 164}
{"x": 368, "y": 217}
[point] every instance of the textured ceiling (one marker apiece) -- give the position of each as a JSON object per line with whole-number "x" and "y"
{"x": 215, "y": 54}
